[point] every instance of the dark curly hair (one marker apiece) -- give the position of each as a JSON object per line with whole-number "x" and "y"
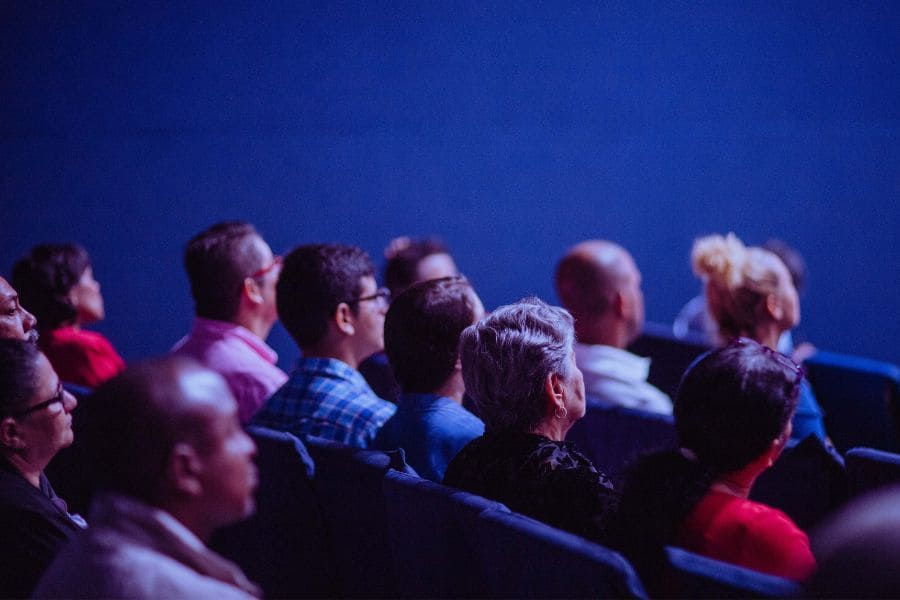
{"x": 43, "y": 279}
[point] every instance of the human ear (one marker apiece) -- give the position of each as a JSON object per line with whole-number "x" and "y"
{"x": 184, "y": 469}
{"x": 773, "y": 307}
{"x": 344, "y": 320}
{"x": 9, "y": 433}
{"x": 252, "y": 290}
{"x": 553, "y": 388}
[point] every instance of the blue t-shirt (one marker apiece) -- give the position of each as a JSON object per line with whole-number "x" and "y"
{"x": 431, "y": 429}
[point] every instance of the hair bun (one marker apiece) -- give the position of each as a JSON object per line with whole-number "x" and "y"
{"x": 719, "y": 258}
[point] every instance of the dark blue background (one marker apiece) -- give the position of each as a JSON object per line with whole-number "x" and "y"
{"x": 512, "y": 130}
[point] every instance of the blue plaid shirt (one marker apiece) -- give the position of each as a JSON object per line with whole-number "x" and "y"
{"x": 326, "y": 398}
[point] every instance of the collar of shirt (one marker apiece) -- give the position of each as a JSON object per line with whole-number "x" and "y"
{"x": 334, "y": 368}
{"x": 424, "y": 402}
{"x": 612, "y": 361}
{"x": 210, "y": 328}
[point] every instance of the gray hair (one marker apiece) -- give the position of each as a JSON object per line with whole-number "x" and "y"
{"x": 506, "y": 358}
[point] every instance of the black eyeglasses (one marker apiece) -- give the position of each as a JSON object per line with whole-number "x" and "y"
{"x": 58, "y": 397}
{"x": 382, "y": 295}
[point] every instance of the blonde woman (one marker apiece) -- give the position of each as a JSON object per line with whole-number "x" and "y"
{"x": 749, "y": 293}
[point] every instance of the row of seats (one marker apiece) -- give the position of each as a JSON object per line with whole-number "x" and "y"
{"x": 860, "y": 397}
{"x": 338, "y": 521}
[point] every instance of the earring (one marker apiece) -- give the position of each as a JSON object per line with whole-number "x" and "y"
{"x": 565, "y": 412}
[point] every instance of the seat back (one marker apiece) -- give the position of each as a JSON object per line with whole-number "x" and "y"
{"x": 613, "y": 437}
{"x": 808, "y": 482}
{"x": 349, "y": 484}
{"x": 523, "y": 558}
{"x": 284, "y": 547}
{"x": 693, "y": 576}
{"x": 859, "y": 397}
{"x": 432, "y": 544}
{"x": 670, "y": 355}
{"x": 868, "y": 469}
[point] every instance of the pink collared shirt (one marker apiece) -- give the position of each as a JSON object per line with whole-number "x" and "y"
{"x": 246, "y": 362}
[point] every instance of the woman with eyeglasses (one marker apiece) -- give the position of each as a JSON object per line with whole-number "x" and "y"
{"x": 733, "y": 418}
{"x": 56, "y": 282}
{"x": 750, "y": 292}
{"x": 35, "y": 423}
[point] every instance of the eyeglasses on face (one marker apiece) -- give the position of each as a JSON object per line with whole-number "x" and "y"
{"x": 58, "y": 397}
{"x": 276, "y": 262}
{"x": 381, "y": 294}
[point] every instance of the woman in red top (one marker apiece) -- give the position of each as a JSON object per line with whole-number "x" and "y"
{"x": 733, "y": 417}
{"x": 56, "y": 283}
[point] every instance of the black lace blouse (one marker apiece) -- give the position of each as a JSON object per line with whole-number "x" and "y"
{"x": 533, "y": 475}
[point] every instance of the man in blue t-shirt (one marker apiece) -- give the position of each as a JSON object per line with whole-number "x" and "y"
{"x": 421, "y": 336}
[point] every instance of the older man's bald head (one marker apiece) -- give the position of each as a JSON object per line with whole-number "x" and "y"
{"x": 596, "y": 281}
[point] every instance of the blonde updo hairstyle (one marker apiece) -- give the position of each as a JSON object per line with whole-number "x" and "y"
{"x": 738, "y": 280}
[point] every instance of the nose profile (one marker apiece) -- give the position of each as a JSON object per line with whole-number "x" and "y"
{"x": 29, "y": 322}
{"x": 69, "y": 401}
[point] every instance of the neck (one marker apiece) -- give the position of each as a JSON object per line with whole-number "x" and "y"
{"x": 256, "y": 324}
{"x": 453, "y": 388}
{"x": 602, "y": 330}
{"x": 738, "y": 483}
{"x": 555, "y": 429}
{"x": 339, "y": 352}
{"x": 187, "y": 515}
{"x": 767, "y": 335}
{"x": 27, "y": 468}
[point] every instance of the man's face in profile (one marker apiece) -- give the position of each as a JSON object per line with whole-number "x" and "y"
{"x": 15, "y": 322}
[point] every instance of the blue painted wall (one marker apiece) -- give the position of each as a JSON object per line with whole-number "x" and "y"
{"x": 512, "y": 130}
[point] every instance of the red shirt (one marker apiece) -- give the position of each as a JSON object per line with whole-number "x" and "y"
{"x": 749, "y": 534}
{"x": 81, "y": 357}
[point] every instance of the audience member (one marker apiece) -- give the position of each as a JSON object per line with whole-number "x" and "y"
{"x": 421, "y": 338}
{"x": 56, "y": 281}
{"x": 695, "y": 320}
{"x": 598, "y": 282}
{"x": 858, "y": 549}
{"x": 15, "y": 322}
{"x": 733, "y": 418}
{"x": 518, "y": 365}
{"x": 749, "y": 293}
{"x": 176, "y": 466}
{"x": 329, "y": 303}
{"x": 408, "y": 261}
{"x": 233, "y": 274}
{"x": 35, "y": 423}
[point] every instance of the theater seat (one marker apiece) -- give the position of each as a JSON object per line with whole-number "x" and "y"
{"x": 869, "y": 469}
{"x": 860, "y": 398}
{"x": 670, "y": 355}
{"x": 284, "y": 547}
{"x": 614, "y": 437}
{"x": 808, "y": 482}
{"x": 523, "y": 558}
{"x": 433, "y": 545}
{"x": 349, "y": 485}
{"x": 694, "y": 576}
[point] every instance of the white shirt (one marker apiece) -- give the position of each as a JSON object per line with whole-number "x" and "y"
{"x": 615, "y": 377}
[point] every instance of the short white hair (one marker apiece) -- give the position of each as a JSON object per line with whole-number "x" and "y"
{"x": 506, "y": 358}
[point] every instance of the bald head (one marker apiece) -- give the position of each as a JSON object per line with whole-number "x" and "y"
{"x": 136, "y": 418}
{"x": 599, "y": 283}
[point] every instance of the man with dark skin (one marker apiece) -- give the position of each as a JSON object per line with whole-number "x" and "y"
{"x": 15, "y": 322}
{"x": 176, "y": 466}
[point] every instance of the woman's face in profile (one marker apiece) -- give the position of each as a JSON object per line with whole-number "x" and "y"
{"x": 48, "y": 424}
{"x": 574, "y": 390}
{"x": 86, "y": 298}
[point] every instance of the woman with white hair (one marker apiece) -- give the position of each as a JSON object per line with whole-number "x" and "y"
{"x": 518, "y": 365}
{"x": 750, "y": 293}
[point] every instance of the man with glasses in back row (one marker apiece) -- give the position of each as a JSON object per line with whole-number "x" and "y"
{"x": 329, "y": 302}
{"x": 233, "y": 273}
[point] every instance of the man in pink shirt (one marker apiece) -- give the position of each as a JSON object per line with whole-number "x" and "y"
{"x": 233, "y": 274}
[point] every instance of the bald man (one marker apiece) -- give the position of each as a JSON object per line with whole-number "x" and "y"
{"x": 176, "y": 466}
{"x": 598, "y": 282}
